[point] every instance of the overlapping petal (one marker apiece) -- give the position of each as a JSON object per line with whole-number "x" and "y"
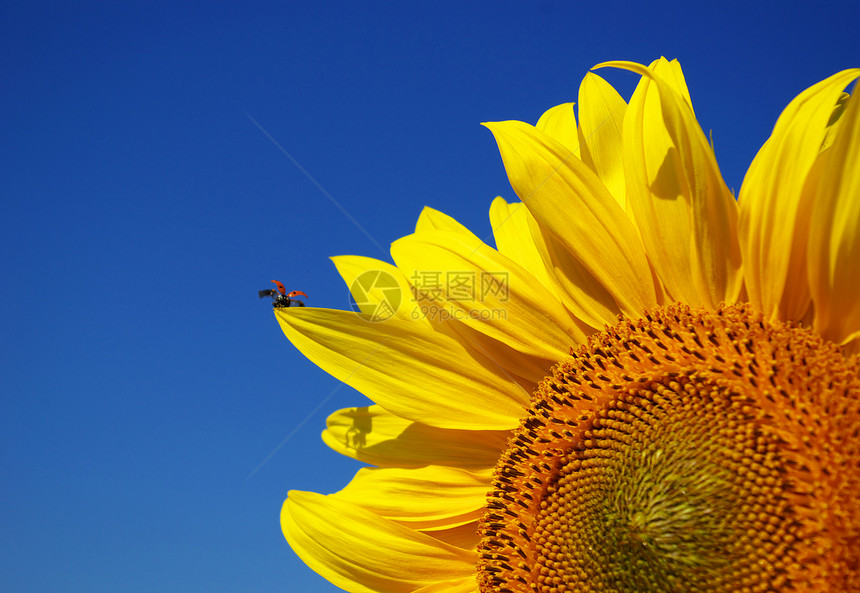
{"x": 466, "y": 585}
{"x": 416, "y": 373}
{"x": 519, "y": 237}
{"x": 378, "y": 437}
{"x": 579, "y": 291}
{"x": 384, "y": 557}
{"x": 569, "y": 201}
{"x": 489, "y": 292}
{"x": 560, "y": 123}
{"x": 513, "y": 235}
{"x": 433, "y": 496}
{"x": 774, "y": 213}
{"x": 834, "y": 245}
{"x": 461, "y": 536}
{"x": 687, "y": 216}
{"x": 601, "y": 117}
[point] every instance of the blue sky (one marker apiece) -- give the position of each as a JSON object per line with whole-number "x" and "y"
{"x": 143, "y": 382}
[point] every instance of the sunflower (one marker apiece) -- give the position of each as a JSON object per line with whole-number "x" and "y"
{"x": 647, "y": 385}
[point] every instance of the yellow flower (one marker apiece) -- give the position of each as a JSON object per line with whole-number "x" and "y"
{"x": 647, "y": 386}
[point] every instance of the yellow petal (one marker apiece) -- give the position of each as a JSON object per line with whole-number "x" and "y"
{"x": 421, "y": 498}
{"x": 834, "y": 240}
{"x": 464, "y": 585}
{"x": 671, "y": 74}
{"x": 833, "y": 123}
{"x": 511, "y": 230}
{"x": 360, "y": 551}
{"x": 434, "y": 220}
{"x": 488, "y": 292}
{"x": 685, "y": 212}
{"x": 375, "y": 436}
{"x": 519, "y": 367}
{"x": 419, "y": 374}
{"x": 774, "y": 216}
{"x": 460, "y": 536}
{"x": 601, "y": 115}
{"x": 569, "y": 200}
{"x": 518, "y": 236}
{"x": 522, "y": 369}
{"x": 379, "y": 288}
{"x": 580, "y": 292}
{"x": 560, "y": 123}
{"x": 851, "y": 344}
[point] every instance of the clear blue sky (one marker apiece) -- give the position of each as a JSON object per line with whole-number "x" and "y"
{"x": 142, "y": 379}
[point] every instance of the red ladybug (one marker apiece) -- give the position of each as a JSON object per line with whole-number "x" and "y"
{"x": 280, "y": 297}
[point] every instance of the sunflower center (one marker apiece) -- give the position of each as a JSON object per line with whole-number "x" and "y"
{"x": 686, "y": 451}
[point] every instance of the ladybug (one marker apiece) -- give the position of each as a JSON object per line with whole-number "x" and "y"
{"x": 280, "y": 297}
